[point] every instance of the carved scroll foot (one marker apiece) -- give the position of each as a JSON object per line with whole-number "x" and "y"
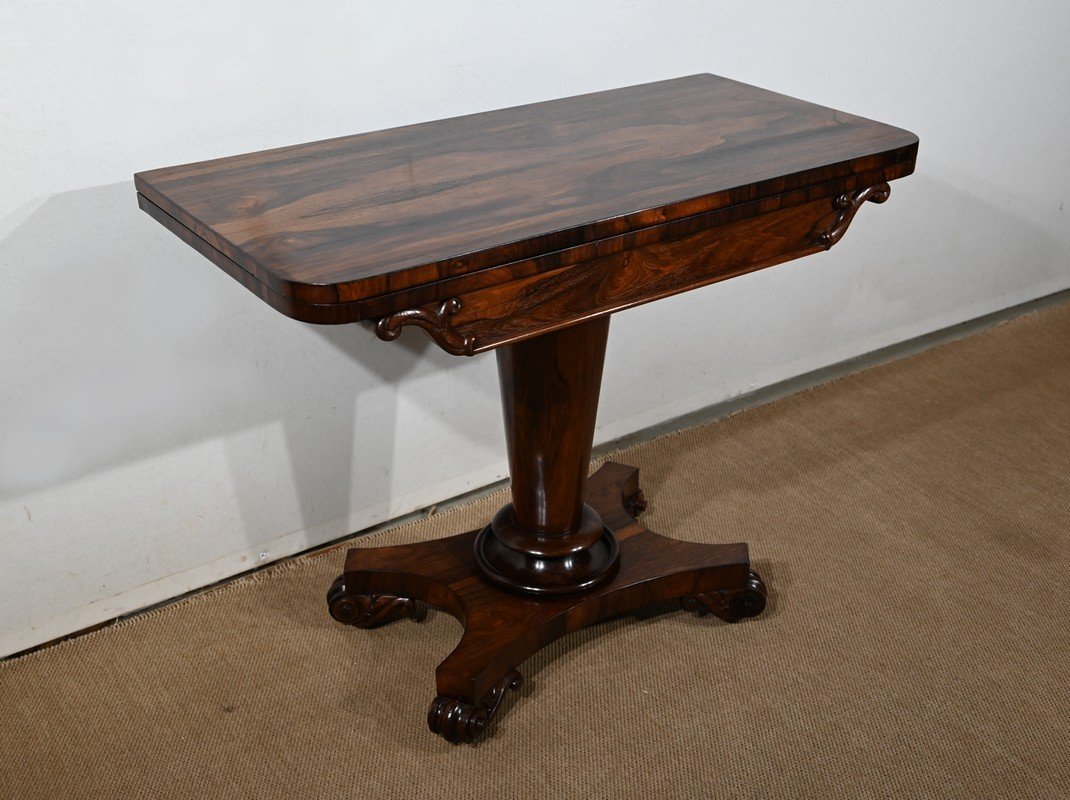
{"x": 370, "y": 610}
{"x": 457, "y": 721}
{"x": 731, "y": 605}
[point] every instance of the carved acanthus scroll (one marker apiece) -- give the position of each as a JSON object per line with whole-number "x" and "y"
{"x": 437, "y": 323}
{"x": 848, "y": 204}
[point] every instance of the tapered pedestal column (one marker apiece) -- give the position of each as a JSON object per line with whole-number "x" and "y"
{"x": 566, "y": 553}
{"x": 548, "y": 541}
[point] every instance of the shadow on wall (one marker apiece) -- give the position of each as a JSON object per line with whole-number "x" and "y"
{"x": 118, "y": 342}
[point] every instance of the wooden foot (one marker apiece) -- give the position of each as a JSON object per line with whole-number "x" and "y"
{"x": 369, "y": 610}
{"x": 503, "y": 627}
{"x": 457, "y": 721}
{"x": 731, "y": 605}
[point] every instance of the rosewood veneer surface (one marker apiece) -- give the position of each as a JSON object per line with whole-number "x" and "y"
{"x": 364, "y": 226}
{"x": 523, "y": 230}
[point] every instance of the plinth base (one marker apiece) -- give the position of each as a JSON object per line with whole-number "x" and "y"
{"x": 503, "y": 628}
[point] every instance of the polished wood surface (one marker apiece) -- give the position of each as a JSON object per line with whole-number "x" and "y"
{"x": 523, "y": 230}
{"x": 502, "y": 629}
{"x": 320, "y": 229}
{"x": 548, "y": 541}
{"x": 480, "y": 312}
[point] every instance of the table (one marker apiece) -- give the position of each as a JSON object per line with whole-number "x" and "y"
{"x": 521, "y": 231}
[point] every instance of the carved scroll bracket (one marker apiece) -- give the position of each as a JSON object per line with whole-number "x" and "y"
{"x": 847, "y": 205}
{"x": 436, "y": 323}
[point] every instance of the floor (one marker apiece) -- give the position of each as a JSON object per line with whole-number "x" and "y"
{"x": 911, "y": 520}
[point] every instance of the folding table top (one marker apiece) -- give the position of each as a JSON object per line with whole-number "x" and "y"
{"x": 357, "y": 217}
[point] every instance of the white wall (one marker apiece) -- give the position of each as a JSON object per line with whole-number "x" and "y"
{"x": 146, "y": 449}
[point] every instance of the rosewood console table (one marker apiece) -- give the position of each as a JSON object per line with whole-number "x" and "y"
{"x": 522, "y": 230}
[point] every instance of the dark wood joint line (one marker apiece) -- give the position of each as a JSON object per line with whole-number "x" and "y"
{"x": 847, "y": 205}
{"x": 436, "y": 322}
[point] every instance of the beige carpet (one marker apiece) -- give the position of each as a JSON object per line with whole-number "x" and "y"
{"x": 911, "y": 522}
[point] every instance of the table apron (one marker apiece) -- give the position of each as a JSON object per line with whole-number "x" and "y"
{"x": 508, "y": 312}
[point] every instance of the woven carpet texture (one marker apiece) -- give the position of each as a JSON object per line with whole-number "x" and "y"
{"x": 912, "y": 522}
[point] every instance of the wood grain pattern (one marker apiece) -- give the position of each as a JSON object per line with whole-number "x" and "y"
{"x": 502, "y": 629}
{"x": 317, "y": 228}
{"x": 548, "y": 541}
{"x": 546, "y": 301}
{"x": 523, "y": 230}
